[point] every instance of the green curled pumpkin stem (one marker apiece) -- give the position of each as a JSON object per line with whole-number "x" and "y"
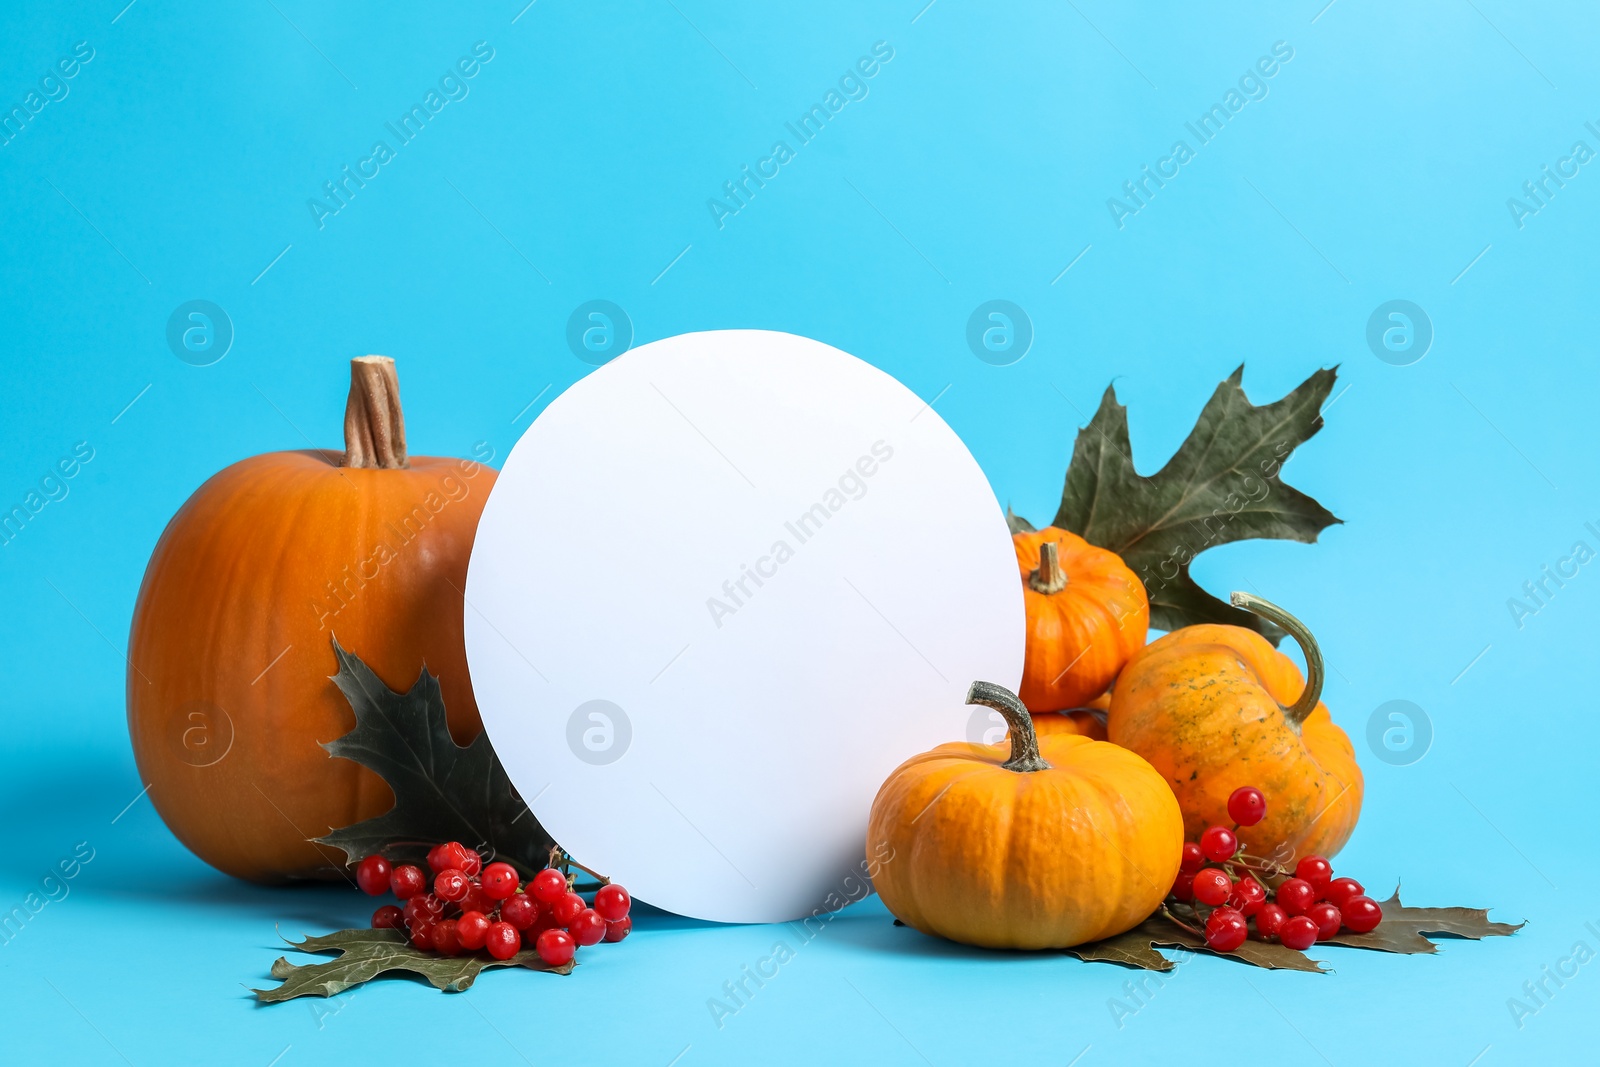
{"x": 1309, "y": 696}
{"x": 1024, "y": 742}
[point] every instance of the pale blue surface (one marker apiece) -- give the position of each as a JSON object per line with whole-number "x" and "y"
{"x": 1377, "y": 168}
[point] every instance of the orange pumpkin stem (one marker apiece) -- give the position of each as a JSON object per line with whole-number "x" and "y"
{"x": 1024, "y": 742}
{"x": 374, "y": 425}
{"x": 1049, "y": 578}
{"x": 1309, "y": 696}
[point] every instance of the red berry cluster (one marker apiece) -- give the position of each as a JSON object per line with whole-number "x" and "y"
{"x": 1309, "y": 907}
{"x": 470, "y": 906}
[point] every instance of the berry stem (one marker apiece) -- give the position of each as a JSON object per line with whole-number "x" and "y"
{"x": 1166, "y": 911}
{"x": 1024, "y": 742}
{"x": 1307, "y": 703}
{"x": 561, "y": 859}
{"x": 599, "y": 878}
{"x": 1261, "y": 865}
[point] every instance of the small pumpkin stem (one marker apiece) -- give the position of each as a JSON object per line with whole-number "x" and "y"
{"x": 374, "y": 426}
{"x": 1024, "y": 742}
{"x": 1049, "y": 578}
{"x": 1296, "y": 713}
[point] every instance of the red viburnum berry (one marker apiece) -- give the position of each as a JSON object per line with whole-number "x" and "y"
{"x": 1219, "y": 843}
{"x": 1211, "y": 886}
{"x": 1248, "y": 895}
{"x": 1183, "y": 887}
{"x": 1340, "y": 890}
{"x": 502, "y": 940}
{"x": 588, "y": 928}
{"x": 450, "y": 856}
{"x": 612, "y": 902}
{"x": 1296, "y": 895}
{"x": 1270, "y": 919}
{"x": 472, "y": 929}
{"x": 1226, "y": 929}
{"x": 476, "y": 899}
{"x": 406, "y": 881}
{"x": 556, "y": 947}
{"x": 450, "y": 885}
{"x": 1361, "y": 914}
{"x": 424, "y": 907}
{"x": 1298, "y": 932}
{"x": 499, "y": 880}
{"x": 1316, "y": 870}
{"x": 520, "y": 910}
{"x": 1327, "y": 917}
{"x": 1246, "y": 805}
{"x": 567, "y": 908}
{"x": 548, "y": 886}
{"x": 372, "y": 875}
{"x": 446, "y": 941}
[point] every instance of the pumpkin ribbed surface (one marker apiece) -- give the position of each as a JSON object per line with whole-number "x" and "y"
{"x": 1206, "y": 705}
{"x": 1082, "y": 850}
{"x": 1082, "y": 632}
{"x": 232, "y": 635}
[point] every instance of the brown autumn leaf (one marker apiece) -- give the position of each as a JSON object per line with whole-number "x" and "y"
{"x": 1131, "y": 949}
{"x": 1408, "y": 930}
{"x": 1224, "y": 484}
{"x": 1404, "y": 930}
{"x": 365, "y": 954}
{"x": 442, "y": 791}
{"x": 1136, "y": 948}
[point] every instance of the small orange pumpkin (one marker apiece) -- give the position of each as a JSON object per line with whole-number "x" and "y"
{"x": 1087, "y": 614}
{"x": 1045, "y": 842}
{"x": 230, "y": 656}
{"x": 1216, "y": 707}
{"x": 1089, "y": 721}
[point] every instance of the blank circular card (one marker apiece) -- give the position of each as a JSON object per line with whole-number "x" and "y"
{"x": 723, "y": 586}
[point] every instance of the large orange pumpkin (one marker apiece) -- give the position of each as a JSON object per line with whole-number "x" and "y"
{"x": 1039, "y": 842}
{"x": 230, "y": 657}
{"x": 1217, "y": 707}
{"x": 1087, "y": 614}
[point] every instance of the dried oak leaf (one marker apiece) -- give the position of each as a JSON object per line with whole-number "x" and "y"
{"x": 1408, "y": 930}
{"x": 365, "y": 954}
{"x": 1223, "y": 484}
{"x": 1136, "y": 948}
{"x": 1403, "y": 930}
{"x": 442, "y": 791}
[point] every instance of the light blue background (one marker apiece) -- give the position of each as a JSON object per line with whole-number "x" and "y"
{"x": 978, "y": 168}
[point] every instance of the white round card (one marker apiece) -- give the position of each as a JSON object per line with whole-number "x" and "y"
{"x": 723, "y": 586}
